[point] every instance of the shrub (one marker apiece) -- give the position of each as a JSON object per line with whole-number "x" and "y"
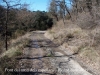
{"x": 19, "y": 33}
{"x": 9, "y": 63}
{"x": 42, "y": 21}
{"x": 85, "y": 21}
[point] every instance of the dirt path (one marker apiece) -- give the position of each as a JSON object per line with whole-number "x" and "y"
{"x": 35, "y": 59}
{"x": 42, "y": 57}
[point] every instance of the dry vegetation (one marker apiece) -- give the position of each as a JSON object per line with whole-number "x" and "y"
{"x": 73, "y": 38}
{"x": 81, "y": 34}
{"x": 7, "y": 58}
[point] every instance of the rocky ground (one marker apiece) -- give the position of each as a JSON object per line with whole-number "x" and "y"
{"x": 43, "y": 57}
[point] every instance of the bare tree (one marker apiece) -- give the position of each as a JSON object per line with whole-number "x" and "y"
{"x": 59, "y": 7}
{"x": 53, "y": 9}
{"x": 62, "y": 5}
{"x": 7, "y": 9}
{"x": 6, "y": 22}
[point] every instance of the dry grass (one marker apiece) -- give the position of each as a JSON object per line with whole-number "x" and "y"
{"x": 75, "y": 37}
{"x": 90, "y": 54}
{"x": 90, "y": 58}
{"x": 7, "y": 58}
{"x": 1, "y": 46}
{"x": 61, "y": 33}
{"x": 20, "y": 38}
{"x": 17, "y": 50}
{"x": 6, "y": 62}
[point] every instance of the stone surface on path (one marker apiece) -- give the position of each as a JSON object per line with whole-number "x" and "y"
{"x": 43, "y": 57}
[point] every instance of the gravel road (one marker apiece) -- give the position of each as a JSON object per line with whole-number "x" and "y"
{"x": 43, "y": 57}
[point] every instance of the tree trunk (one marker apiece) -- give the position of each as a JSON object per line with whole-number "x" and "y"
{"x": 6, "y": 24}
{"x": 6, "y": 28}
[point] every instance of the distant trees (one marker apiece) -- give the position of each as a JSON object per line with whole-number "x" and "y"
{"x": 15, "y": 22}
{"x": 2, "y": 18}
{"x": 58, "y": 9}
{"x": 37, "y": 20}
{"x": 2, "y": 27}
{"x": 42, "y": 20}
{"x": 86, "y": 13}
{"x": 84, "y": 5}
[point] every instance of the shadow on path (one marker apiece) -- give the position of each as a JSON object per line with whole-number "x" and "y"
{"x": 19, "y": 58}
{"x": 42, "y": 43}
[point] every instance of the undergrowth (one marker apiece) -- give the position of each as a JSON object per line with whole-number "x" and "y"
{"x": 8, "y": 58}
